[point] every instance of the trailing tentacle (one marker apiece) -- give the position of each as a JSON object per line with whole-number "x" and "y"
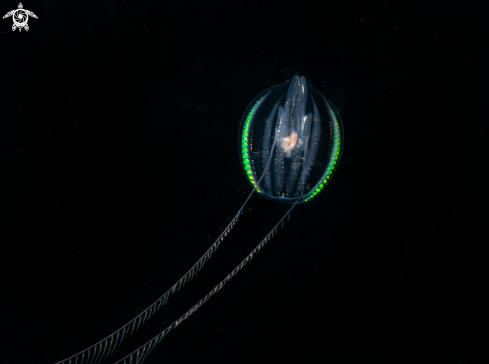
{"x": 107, "y": 346}
{"x": 140, "y": 354}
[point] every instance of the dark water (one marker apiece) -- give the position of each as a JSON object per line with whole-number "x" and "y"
{"x": 119, "y": 166}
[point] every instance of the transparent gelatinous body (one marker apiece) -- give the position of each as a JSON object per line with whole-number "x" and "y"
{"x": 291, "y": 137}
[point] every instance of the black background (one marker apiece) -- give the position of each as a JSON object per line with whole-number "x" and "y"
{"x": 119, "y": 166}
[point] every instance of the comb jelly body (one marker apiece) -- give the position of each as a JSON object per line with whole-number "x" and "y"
{"x": 290, "y": 141}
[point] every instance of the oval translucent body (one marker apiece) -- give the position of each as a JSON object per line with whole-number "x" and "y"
{"x": 290, "y": 141}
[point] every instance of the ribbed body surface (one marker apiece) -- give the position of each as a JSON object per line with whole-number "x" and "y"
{"x": 290, "y": 141}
